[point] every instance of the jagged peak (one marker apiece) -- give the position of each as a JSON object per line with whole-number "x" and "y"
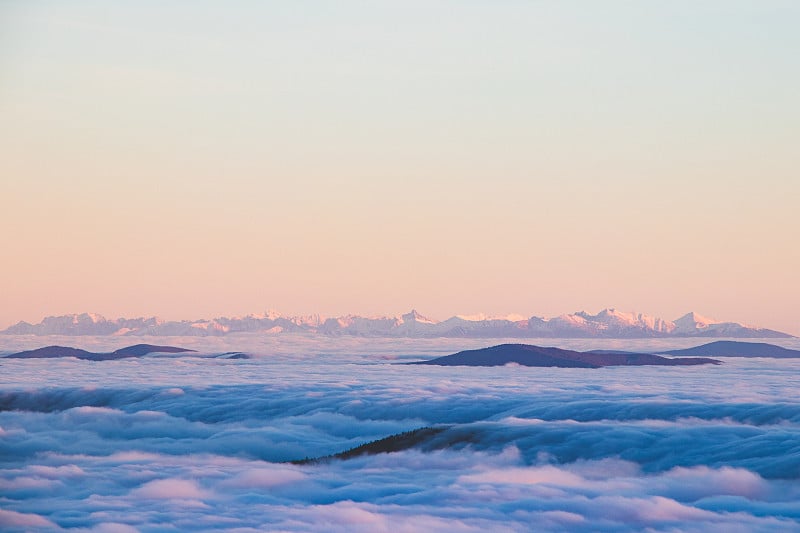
{"x": 609, "y": 322}
{"x": 693, "y": 319}
{"x": 414, "y": 316}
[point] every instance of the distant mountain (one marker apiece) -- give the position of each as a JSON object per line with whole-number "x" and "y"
{"x": 608, "y": 323}
{"x": 52, "y": 352}
{"x": 694, "y": 325}
{"x": 82, "y": 324}
{"x": 138, "y": 350}
{"x": 737, "y": 349}
{"x": 529, "y": 355}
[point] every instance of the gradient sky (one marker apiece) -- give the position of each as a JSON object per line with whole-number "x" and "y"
{"x": 197, "y": 159}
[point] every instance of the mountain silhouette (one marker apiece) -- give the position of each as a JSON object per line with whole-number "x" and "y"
{"x": 137, "y": 350}
{"x": 530, "y": 355}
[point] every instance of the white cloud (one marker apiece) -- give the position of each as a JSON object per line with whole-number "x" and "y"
{"x": 168, "y": 489}
{"x": 23, "y": 520}
{"x": 267, "y": 477}
{"x": 547, "y": 475}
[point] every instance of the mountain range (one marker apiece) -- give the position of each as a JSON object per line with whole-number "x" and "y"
{"x": 608, "y": 323}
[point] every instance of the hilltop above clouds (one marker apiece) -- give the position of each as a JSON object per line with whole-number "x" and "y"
{"x": 608, "y": 323}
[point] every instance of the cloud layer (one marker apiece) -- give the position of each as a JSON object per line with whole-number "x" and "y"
{"x": 191, "y": 443}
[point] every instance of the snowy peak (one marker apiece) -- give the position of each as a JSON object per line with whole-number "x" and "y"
{"x": 612, "y": 316}
{"x": 271, "y": 315}
{"x": 88, "y": 318}
{"x": 413, "y": 316}
{"x": 608, "y": 323}
{"x": 695, "y": 325}
{"x": 611, "y": 323}
{"x": 615, "y": 318}
{"x": 693, "y": 321}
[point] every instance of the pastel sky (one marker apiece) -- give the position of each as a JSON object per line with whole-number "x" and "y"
{"x": 197, "y": 159}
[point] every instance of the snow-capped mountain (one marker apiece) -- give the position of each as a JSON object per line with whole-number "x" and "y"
{"x": 608, "y": 323}
{"x": 694, "y": 325}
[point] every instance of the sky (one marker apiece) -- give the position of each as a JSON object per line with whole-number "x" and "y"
{"x": 201, "y": 159}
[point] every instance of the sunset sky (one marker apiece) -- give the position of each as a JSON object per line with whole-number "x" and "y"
{"x": 198, "y": 159}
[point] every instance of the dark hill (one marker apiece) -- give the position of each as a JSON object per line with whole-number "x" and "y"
{"x": 737, "y": 349}
{"x": 138, "y": 350}
{"x": 144, "y": 349}
{"x": 52, "y": 351}
{"x": 529, "y": 355}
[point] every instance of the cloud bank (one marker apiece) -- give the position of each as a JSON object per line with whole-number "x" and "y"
{"x": 201, "y": 444}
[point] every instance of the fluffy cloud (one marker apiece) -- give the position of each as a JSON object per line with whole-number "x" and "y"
{"x": 261, "y": 478}
{"x": 547, "y": 475}
{"x": 13, "y": 519}
{"x": 166, "y": 489}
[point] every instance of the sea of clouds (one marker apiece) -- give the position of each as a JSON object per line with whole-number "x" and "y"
{"x": 195, "y": 443}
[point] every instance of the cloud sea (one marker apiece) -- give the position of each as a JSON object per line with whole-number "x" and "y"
{"x": 174, "y": 443}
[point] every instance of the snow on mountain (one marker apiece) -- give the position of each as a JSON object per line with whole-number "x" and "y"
{"x": 92, "y": 317}
{"x": 481, "y": 317}
{"x": 416, "y": 318}
{"x": 694, "y": 322}
{"x": 578, "y": 320}
{"x": 608, "y": 323}
{"x": 270, "y": 315}
{"x": 359, "y": 326}
{"x": 211, "y": 325}
{"x": 77, "y": 324}
{"x": 610, "y": 319}
{"x": 306, "y": 320}
{"x": 694, "y": 325}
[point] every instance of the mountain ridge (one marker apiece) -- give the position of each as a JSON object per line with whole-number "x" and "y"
{"x": 737, "y": 349}
{"x": 55, "y": 352}
{"x": 608, "y": 323}
{"x": 548, "y": 356}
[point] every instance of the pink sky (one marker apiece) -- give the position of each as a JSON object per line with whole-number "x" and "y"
{"x": 369, "y": 160}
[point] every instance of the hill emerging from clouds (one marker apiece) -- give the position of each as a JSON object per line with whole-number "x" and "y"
{"x": 737, "y": 349}
{"x": 529, "y": 355}
{"x": 138, "y": 350}
{"x": 608, "y": 323}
